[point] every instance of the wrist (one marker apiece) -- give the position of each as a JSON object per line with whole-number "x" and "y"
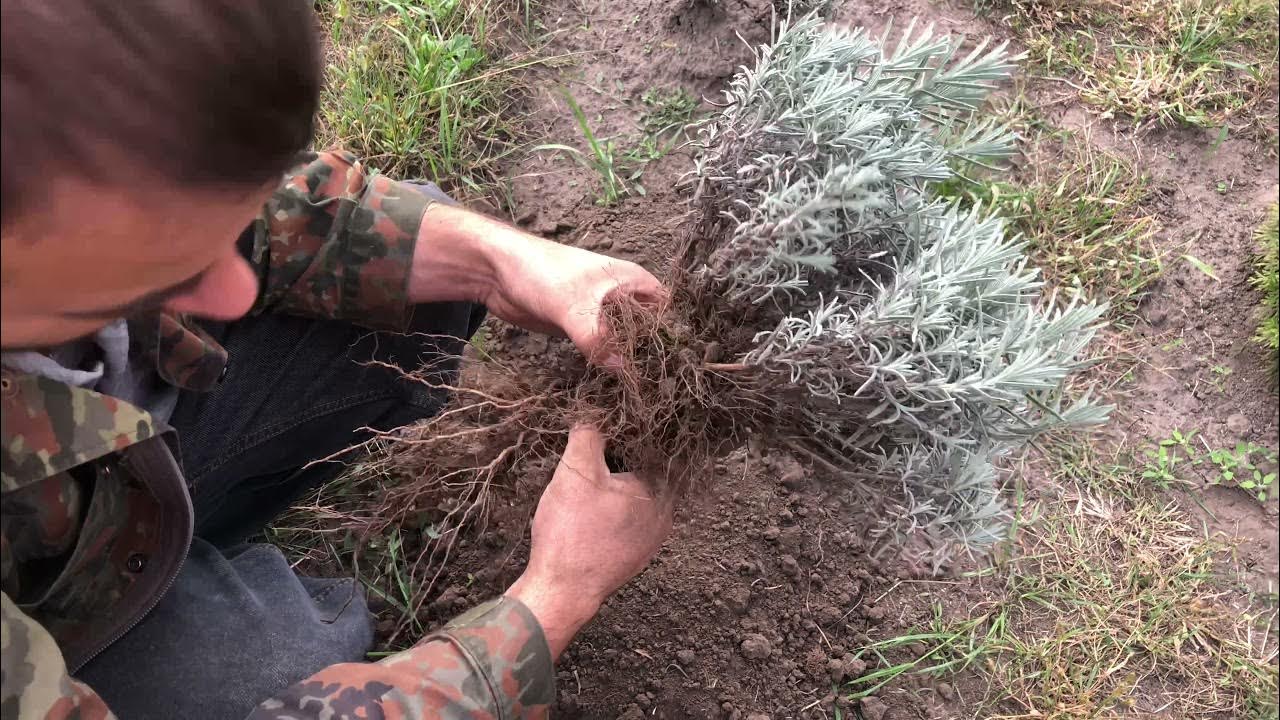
{"x": 561, "y": 611}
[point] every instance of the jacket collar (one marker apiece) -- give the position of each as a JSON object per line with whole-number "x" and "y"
{"x": 49, "y": 427}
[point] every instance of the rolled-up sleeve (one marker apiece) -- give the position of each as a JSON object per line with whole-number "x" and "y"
{"x": 336, "y": 241}
{"x": 490, "y": 663}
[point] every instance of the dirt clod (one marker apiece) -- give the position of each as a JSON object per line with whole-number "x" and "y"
{"x": 853, "y": 667}
{"x": 756, "y": 647}
{"x": 1238, "y": 424}
{"x": 875, "y": 614}
{"x": 686, "y": 656}
{"x": 737, "y": 599}
{"x": 873, "y": 708}
{"x": 790, "y": 567}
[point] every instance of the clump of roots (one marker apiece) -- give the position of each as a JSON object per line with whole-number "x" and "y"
{"x": 669, "y": 409}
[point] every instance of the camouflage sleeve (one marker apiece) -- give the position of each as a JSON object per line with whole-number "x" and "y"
{"x": 490, "y": 663}
{"x": 336, "y": 241}
{"x": 33, "y": 680}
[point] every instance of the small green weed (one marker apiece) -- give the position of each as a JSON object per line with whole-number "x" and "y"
{"x": 1246, "y": 466}
{"x": 1163, "y": 459}
{"x": 1240, "y": 467}
{"x": 667, "y": 110}
{"x": 1220, "y": 375}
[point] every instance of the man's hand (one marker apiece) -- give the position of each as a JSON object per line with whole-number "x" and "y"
{"x": 528, "y": 281}
{"x": 593, "y": 531}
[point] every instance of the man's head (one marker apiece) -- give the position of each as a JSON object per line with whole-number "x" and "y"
{"x": 139, "y": 139}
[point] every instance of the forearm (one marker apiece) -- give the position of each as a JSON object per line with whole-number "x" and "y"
{"x": 521, "y": 278}
{"x": 457, "y": 256}
{"x": 463, "y": 255}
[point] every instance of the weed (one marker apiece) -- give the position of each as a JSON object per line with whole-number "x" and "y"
{"x": 1220, "y": 375}
{"x": 415, "y": 90}
{"x": 949, "y": 647}
{"x": 667, "y": 110}
{"x": 620, "y": 164}
{"x": 1083, "y": 217}
{"x": 1246, "y": 467}
{"x": 1202, "y": 266}
{"x": 602, "y": 157}
{"x": 1163, "y": 459}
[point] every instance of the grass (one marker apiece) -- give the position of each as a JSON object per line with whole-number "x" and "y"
{"x": 601, "y": 156}
{"x": 619, "y": 165}
{"x": 1111, "y": 607}
{"x": 1194, "y": 63}
{"x": 1266, "y": 278}
{"x": 416, "y": 88}
{"x": 1083, "y": 214}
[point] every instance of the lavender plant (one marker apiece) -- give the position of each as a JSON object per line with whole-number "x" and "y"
{"x": 914, "y": 337}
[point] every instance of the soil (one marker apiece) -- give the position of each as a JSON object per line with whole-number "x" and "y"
{"x": 759, "y": 601}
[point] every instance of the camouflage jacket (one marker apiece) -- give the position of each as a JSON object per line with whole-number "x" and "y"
{"x": 97, "y": 518}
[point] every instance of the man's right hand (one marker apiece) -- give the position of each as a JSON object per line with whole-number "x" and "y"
{"x": 592, "y": 532}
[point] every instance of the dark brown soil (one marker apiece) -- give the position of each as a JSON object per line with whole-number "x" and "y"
{"x": 758, "y": 603}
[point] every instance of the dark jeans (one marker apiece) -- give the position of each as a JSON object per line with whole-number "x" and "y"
{"x": 239, "y": 625}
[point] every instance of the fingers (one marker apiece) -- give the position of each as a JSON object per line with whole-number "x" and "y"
{"x": 643, "y": 286}
{"x": 585, "y": 451}
{"x": 651, "y": 292}
{"x": 636, "y": 283}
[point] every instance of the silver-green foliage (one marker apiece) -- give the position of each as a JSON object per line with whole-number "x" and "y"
{"x": 916, "y": 333}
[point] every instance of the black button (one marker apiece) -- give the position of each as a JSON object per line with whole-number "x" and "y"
{"x": 136, "y": 563}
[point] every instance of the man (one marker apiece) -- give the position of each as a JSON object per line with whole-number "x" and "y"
{"x": 151, "y": 426}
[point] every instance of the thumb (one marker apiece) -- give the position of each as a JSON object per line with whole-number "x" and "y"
{"x": 585, "y": 450}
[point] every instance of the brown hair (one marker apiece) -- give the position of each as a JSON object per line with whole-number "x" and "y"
{"x": 202, "y": 92}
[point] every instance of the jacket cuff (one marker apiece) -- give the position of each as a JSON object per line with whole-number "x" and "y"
{"x": 506, "y": 645}
{"x": 393, "y": 212}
